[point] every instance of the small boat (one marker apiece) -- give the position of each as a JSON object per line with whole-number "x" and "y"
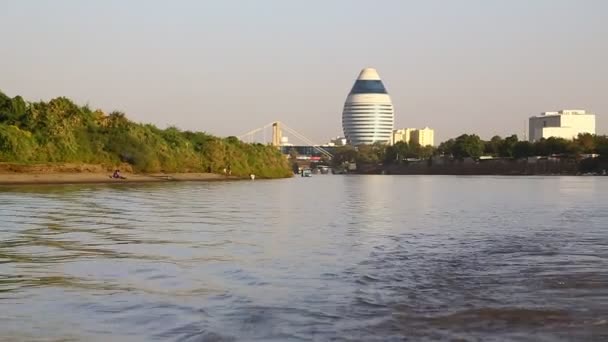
{"x": 306, "y": 173}
{"x": 324, "y": 170}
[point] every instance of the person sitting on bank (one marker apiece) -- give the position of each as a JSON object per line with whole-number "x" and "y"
{"x": 117, "y": 175}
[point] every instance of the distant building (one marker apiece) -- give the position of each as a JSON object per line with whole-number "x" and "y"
{"x": 567, "y": 124}
{"x": 368, "y": 111}
{"x": 403, "y": 134}
{"x": 304, "y": 151}
{"x": 285, "y": 141}
{"x": 423, "y": 137}
{"x": 338, "y": 141}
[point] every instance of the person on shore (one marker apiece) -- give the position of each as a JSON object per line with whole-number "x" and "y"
{"x": 117, "y": 175}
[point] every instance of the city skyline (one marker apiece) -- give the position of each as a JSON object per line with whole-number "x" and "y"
{"x": 225, "y": 68}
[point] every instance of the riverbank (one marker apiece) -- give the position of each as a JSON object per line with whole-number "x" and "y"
{"x": 47, "y": 135}
{"x": 104, "y": 178}
{"x": 540, "y": 166}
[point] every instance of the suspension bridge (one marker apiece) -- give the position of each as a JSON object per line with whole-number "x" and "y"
{"x": 261, "y": 134}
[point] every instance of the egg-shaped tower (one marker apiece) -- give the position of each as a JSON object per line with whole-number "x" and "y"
{"x": 368, "y": 115}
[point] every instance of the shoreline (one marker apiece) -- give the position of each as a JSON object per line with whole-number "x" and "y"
{"x": 64, "y": 178}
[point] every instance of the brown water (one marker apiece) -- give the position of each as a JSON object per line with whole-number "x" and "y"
{"x": 341, "y": 258}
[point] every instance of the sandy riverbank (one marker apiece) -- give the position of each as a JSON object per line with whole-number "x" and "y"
{"x": 103, "y": 177}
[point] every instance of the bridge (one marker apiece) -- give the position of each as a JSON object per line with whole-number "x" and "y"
{"x": 276, "y": 136}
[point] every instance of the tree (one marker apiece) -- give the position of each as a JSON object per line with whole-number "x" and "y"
{"x": 601, "y": 146}
{"x": 397, "y": 152}
{"x": 587, "y": 142}
{"x": 18, "y": 106}
{"x": 11, "y": 110}
{"x": 492, "y": 147}
{"x": 523, "y": 149}
{"x": 468, "y": 146}
{"x": 556, "y": 145}
{"x": 446, "y": 147}
{"x": 379, "y": 149}
{"x": 425, "y": 152}
{"x": 420, "y": 152}
{"x": 61, "y": 131}
{"x": 344, "y": 154}
{"x": 5, "y": 107}
{"x": 507, "y": 145}
{"x": 367, "y": 154}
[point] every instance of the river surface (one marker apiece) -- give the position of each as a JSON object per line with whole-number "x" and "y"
{"x": 326, "y": 258}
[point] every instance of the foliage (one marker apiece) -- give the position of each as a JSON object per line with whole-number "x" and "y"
{"x": 344, "y": 154}
{"x": 511, "y": 147}
{"x": 446, "y": 147}
{"x": 402, "y": 150}
{"x": 61, "y": 131}
{"x": 370, "y": 154}
{"x": 523, "y": 149}
{"x": 472, "y": 146}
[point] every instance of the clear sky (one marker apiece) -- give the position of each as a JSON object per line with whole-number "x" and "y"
{"x": 226, "y": 67}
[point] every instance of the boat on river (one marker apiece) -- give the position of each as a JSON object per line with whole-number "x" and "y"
{"x": 306, "y": 173}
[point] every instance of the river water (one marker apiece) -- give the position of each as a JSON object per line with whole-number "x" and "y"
{"x": 339, "y": 258}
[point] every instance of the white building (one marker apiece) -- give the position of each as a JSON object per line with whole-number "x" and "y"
{"x": 338, "y": 141}
{"x": 285, "y": 141}
{"x": 567, "y": 124}
{"x": 403, "y": 134}
{"x": 368, "y": 115}
{"x": 422, "y": 137}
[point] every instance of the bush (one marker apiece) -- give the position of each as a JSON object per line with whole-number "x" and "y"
{"x": 60, "y": 131}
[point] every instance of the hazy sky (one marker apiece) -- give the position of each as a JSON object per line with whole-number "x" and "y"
{"x": 227, "y": 67}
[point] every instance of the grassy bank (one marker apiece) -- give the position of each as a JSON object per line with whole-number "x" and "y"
{"x": 59, "y": 132}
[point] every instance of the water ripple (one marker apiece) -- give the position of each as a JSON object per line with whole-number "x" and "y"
{"x": 326, "y": 258}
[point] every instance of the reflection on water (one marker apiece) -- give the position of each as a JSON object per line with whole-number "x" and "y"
{"x": 344, "y": 258}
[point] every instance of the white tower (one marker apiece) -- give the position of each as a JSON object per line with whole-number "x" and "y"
{"x": 368, "y": 115}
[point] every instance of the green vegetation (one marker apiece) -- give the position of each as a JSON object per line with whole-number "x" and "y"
{"x": 59, "y": 131}
{"x": 512, "y": 147}
{"x": 465, "y": 146}
{"x": 472, "y": 146}
{"x": 402, "y": 150}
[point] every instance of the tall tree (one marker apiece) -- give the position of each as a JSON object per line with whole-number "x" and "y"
{"x": 507, "y": 145}
{"x": 492, "y": 147}
{"x": 587, "y": 142}
{"x": 468, "y": 146}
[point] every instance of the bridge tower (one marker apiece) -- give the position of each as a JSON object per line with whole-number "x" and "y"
{"x": 277, "y": 134}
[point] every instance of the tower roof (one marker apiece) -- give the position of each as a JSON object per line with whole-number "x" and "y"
{"x": 368, "y": 82}
{"x": 369, "y": 74}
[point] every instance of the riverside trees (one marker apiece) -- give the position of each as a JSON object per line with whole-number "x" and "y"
{"x": 511, "y": 147}
{"x": 60, "y": 131}
{"x": 472, "y": 146}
